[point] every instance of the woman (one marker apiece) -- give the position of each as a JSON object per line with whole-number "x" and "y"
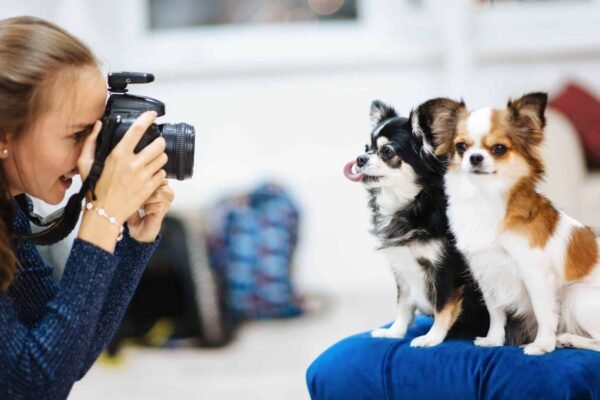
{"x": 52, "y": 93}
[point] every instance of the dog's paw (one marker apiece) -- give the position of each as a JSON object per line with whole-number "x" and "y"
{"x": 488, "y": 341}
{"x": 566, "y": 340}
{"x": 387, "y": 333}
{"x": 425, "y": 341}
{"x": 540, "y": 346}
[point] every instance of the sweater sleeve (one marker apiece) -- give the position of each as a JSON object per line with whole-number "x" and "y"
{"x": 33, "y": 287}
{"x": 45, "y": 359}
{"x": 134, "y": 256}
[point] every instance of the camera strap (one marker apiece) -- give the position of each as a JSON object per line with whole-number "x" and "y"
{"x": 61, "y": 222}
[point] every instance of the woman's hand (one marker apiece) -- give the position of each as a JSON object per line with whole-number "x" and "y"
{"x": 128, "y": 179}
{"x": 146, "y": 228}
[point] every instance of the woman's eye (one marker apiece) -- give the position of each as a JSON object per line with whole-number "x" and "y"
{"x": 387, "y": 152}
{"x": 81, "y": 135}
{"x": 499, "y": 149}
{"x": 461, "y": 147}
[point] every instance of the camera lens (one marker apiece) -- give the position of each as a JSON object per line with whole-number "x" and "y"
{"x": 180, "y": 149}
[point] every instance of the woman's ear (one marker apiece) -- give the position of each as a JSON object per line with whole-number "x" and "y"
{"x": 4, "y": 144}
{"x": 436, "y": 122}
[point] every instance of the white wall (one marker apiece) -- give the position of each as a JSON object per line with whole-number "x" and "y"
{"x": 300, "y": 130}
{"x": 299, "y": 122}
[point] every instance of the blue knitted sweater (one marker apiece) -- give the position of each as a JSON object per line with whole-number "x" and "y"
{"x": 51, "y": 333}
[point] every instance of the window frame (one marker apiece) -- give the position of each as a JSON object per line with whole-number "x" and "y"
{"x": 215, "y": 50}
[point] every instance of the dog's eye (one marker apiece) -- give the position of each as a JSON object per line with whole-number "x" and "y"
{"x": 499, "y": 149}
{"x": 387, "y": 152}
{"x": 461, "y": 147}
{"x": 366, "y": 148}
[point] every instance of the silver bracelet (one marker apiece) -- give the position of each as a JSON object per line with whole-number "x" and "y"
{"x": 89, "y": 206}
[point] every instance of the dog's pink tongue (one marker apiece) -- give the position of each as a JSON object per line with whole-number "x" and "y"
{"x": 355, "y": 177}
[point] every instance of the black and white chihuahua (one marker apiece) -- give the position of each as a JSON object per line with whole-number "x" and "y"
{"x": 405, "y": 182}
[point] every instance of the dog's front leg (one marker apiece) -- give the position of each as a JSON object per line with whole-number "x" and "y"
{"x": 405, "y": 317}
{"x": 445, "y": 316}
{"x": 540, "y": 283}
{"x": 496, "y": 333}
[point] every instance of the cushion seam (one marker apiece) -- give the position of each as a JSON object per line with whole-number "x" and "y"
{"x": 385, "y": 369}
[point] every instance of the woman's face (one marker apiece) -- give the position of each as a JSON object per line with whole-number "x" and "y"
{"x": 43, "y": 160}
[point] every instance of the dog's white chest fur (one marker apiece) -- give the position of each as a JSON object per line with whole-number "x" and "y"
{"x": 410, "y": 275}
{"x": 475, "y": 218}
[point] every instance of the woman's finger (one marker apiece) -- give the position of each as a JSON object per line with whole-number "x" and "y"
{"x": 157, "y": 163}
{"x": 154, "y": 182}
{"x": 157, "y": 197}
{"x": 150, "y": 152}
{"x": 135, "y": 132}
{"x": 163, "y": 193}
{"x": 170, "y": 193}
{"x": 157, "y": 208}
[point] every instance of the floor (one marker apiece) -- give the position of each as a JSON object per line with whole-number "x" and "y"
{"x": 268, "y": 359}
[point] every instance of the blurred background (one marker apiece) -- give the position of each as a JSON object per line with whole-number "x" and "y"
{"x": 279, "y": 92}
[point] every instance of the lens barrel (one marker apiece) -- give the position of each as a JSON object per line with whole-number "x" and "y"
{"x": 180, "y": 140}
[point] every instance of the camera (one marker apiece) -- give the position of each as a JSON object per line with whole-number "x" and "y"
{"x": 121, "y": 111}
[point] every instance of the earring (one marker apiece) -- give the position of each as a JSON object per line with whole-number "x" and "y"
{"x": 4, "y": 153}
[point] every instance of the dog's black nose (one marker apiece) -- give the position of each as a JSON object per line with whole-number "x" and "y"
{"x": 476, "y": 159}
{"x": 362, "y": 160}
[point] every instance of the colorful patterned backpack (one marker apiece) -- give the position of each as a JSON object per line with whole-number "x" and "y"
{"x": 251, "y": 241}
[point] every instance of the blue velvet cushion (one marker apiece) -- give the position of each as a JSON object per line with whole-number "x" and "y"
{"x": 362, "y": 367}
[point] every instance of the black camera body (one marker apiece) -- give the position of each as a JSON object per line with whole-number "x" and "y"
{"x": 122, "y": 109}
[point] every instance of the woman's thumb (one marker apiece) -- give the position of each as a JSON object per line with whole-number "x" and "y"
{"x": 89, "y": 146}
{"x": 88, "y": 151}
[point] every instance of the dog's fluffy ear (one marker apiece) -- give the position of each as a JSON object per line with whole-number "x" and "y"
{"x": 436, "y": 121}
{"x": 381, "y": 112}
{"x": 527, "y": 116}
